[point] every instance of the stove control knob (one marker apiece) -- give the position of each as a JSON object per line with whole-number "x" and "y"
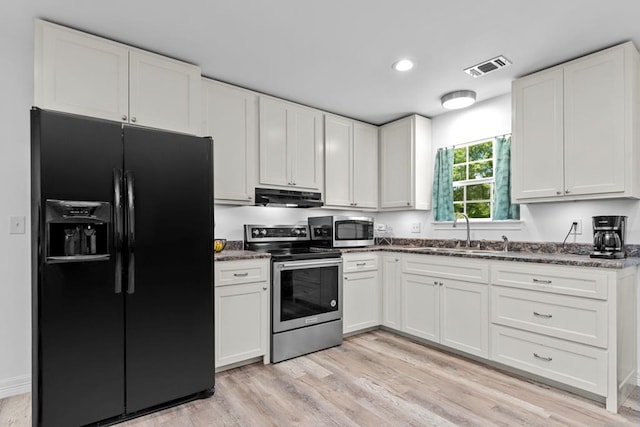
{"x": 296, "y": 231}
{"x": 255, "y": 232}
{"x": 263, "y": 231}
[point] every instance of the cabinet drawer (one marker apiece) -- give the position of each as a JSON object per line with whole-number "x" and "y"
{"x": 577, "y": 319}
{"x": 452, "y": 268}
{"x": 559, "y": 280}
{"x": 234, "y": 272}
{"x": 573, "y": 364}
{"x": 359, "y": 262}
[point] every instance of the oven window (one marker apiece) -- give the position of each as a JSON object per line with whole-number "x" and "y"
{"x": 354, "y": 230}
{"x": 308, "y": 292}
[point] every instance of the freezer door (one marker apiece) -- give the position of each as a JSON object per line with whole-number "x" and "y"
{"x": 78, "y": 315}
{"x": 169, "y": 267}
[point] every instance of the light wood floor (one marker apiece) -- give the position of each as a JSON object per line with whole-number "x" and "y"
{"x": 373, "y": 379}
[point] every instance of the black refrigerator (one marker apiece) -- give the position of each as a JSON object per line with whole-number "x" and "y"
{"x": 122, "y": 258}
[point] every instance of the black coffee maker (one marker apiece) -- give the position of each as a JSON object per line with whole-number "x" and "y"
{"x": 608, "y": 236}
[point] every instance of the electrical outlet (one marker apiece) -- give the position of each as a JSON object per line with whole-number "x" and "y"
{"x": 16, "y": 225}
{"x": 415, "y": 227}
{"x": 578, "y": 228}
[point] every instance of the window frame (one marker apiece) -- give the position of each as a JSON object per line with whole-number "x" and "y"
{"x": 476, "y": 181}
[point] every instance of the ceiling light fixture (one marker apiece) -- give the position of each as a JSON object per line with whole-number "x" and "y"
{"x": 403, "y": 65}
{"x": 458, "y": 99}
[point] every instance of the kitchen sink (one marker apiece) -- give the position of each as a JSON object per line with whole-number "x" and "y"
{"x": 474, "y": 251}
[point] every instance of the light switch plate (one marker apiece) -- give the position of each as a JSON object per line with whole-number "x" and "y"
{"x": 16, "y": 225}
{"x": 415, "y": 227}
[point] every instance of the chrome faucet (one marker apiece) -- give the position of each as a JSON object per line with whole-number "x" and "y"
{"x": 455, "y": 220}
{"x": 505, "y": 247}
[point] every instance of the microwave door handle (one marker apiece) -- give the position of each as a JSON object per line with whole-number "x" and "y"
{"x": 131, "y": 232}
{"x": 118, "y": 230}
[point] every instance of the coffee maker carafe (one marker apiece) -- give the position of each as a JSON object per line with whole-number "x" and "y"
{"x": 608, "y": 236}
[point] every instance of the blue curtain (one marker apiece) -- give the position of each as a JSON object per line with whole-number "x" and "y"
{"x": 442, "y": 196}
{"x": 502, "y": 206}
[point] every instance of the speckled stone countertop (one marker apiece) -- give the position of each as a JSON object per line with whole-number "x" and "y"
{"x": 237, "y": 255}
{"x": 575, "y": 254}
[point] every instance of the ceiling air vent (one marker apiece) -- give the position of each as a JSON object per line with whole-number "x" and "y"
{"x": 488, "y": 66}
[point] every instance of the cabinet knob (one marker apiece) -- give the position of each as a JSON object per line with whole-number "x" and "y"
{"x": 441, "y": 284}
{"x": 558, "y": 192}
{"x": 133, "y": 119}
{"x": 567, "y": 191}
{"x": 408, "y": 203}
{"x": 124, "y": 117}
{"x": 264, "y": 288}
{"x": 435, "y": 282}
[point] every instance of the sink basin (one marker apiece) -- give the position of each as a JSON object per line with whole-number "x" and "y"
{"x": 474, "y": 251}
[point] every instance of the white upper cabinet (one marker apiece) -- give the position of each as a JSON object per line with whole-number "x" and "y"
{"x": 80, "y": 73}
{"x": 164, "y": 93}
{"x": 575, "y": 129}
{"x": 406, "y": 166}
{"x": 291, "y": 149}
{"x": 83, "y": 74}
{"x": 351, "y": 163}
{"x": 230, "y": 118}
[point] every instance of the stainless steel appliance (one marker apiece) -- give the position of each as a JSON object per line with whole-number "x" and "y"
{"x": 608, "y": 236}
{"x": 339, "y": 231}
{"x": 306, "y": 296}
{"x": 288, "y": 198}
{"x": 122, "y": 270}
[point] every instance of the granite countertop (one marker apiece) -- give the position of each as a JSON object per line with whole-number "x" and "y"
{"x": 543, "y": 253}
{"x": 236, "y": 255}
{"x": 581, "y": 260}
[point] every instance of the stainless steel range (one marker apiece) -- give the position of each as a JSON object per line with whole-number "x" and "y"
{"x": 306, "y": 289}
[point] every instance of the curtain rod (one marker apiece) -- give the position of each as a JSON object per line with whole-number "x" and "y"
{"x": 473, "y": 142}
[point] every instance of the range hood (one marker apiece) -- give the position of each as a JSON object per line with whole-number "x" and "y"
{"x": 288, "y": 198}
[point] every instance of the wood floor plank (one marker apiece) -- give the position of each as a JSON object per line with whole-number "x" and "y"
{"x": 374, "y": 379}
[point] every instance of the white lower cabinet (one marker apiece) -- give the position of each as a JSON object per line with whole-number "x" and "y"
{"x": 361, "y": 292}
{"x": 391, "y": 290}
{"x": 577, "y": 326}
{"x": 437, "y": 306}
{"x": 241, "y": 303}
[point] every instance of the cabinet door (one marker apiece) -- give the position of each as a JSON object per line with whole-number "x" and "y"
{"x": 538, "y": 157}
{"x": 274, "y": 168}
{"x": 164, "y": 93}
{"x": 391, "y": 291}
{"x": 241, "y": 322}
{"x": 365, "y": 166}
{"x": 361, "y": 301}
{"x": 594, "y": 123}
{"x": 230, "y": 119}
{"x": 338, "y": 161}
{"x": 304, "y": 145}
{"x": 79, "y": 73}
{"x": 396, "y": 164}
{"x": 421, "y": 306}
{"x": 464, "y": 321}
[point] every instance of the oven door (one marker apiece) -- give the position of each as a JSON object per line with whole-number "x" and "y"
{"x": 306, "y": 292}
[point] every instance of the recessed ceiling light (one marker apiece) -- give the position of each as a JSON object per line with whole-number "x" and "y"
{"x": 458, "y": 99}
{"x": 403, "y": 65}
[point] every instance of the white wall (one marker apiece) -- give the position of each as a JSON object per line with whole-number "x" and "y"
{"x": 16, "y": 89}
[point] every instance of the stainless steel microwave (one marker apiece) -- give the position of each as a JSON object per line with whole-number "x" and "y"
{"x": 339, "y": 231}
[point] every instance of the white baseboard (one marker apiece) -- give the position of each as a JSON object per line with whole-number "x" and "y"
{"x": 16, "y": 385}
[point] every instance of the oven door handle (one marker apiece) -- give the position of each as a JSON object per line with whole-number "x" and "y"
{"x": 306, "y": 264}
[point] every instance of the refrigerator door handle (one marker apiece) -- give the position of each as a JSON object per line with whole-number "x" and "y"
{"x": 117, "y": 221}
{"x": 131, "y": 231}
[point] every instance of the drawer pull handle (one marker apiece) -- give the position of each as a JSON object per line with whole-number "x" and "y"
{"x": 361, "y": 264}
{"x": 545, "y": 282}
{"x": 546, "y": 316}
{"x": 546, "y": 359}
{"x": 245, "y": 274}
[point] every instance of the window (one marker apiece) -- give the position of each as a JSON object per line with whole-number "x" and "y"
{"x": 473, "y": 179}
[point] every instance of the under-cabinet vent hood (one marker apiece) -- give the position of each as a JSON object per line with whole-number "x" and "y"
{"x": 487, "y": 67}
{"x": 288, "y": 198}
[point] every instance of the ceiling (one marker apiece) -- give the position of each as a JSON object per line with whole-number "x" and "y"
{"x": 336, "y": 55}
